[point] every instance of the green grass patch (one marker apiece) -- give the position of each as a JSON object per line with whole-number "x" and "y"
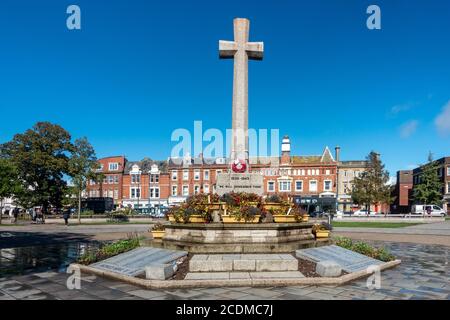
{"x": 109, "y": 250}
{"x": 72, "y": 223}
{"x": 364, "y": 224}
{"x": 364, "y": 248}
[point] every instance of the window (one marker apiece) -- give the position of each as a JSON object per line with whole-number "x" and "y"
{"x": 309, "y": 172}
{"x": 185, "y": 190}
{"x": 271, "y": 186}
{"x": 174, "y": 191}
{"x": 154, "y": 192}
{"x": 448, "y": 187}
{"x": 285, "y": 186}
{"x": 327, "y": 172}
{"x": 135, "y": 178}
{"x": 110, "y": 179}
{"x": 185, "y": 175}
{"x": 116, "y": 194}
{"x": 100, "y": 167}
{"x": 116, "y": 179}
{"x": 113, "y": 166}
{"x": 299, "y": 185}
{"x": 327, "y": 185}
{"x": 174, "y": 175}
{"x": 313, "y": 186}
{"x": 206, "y": 175}
{"x": 206, "y": 188}
{"x": 196, "y": 189}
{"x": 196, "y": 174}
{"x": 105, "y": 193}
{"x": 92, "y": 182}
{"x": 154, "y": 178}
{"x": 135, "y": 193}
{"x": 448, "y": 171}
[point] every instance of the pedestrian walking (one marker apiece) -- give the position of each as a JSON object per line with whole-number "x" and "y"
{"x": 66, "y": 216}
{"x": 15, "y": 214}
{"x": 429, "y": 211}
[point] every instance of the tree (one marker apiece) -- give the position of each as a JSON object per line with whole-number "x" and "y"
{"x": 41, "y": 155}
{"x": 9, "y": 183}
{"x": 371, "y": 187}
{"x": 428, "y": 190}
{"x": 82, "y": 166}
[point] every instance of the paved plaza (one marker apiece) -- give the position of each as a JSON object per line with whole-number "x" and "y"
{"x": 423, "y": 274}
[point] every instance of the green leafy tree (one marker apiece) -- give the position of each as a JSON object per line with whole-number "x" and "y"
{"x": 9, "y": 183}
{"x": 41, "y": 155}
{"x": 428, "y": 190}
{"x": 371, "y": 187}
{"x": 82, "y": 166}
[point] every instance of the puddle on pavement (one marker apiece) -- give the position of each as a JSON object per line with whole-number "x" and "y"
{"x": 21, "y": 260}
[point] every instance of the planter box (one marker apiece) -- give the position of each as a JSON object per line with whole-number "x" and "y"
{"x": 305, "y": 218}
{"x": 322, "y": 234}
{"x": 274, "y": 205}
{"x": 158, "y": 234}
{"x": 232, "y": 219}
{"x": 196, "y": 218}
{"x": 284, "y": 218}
{"x": 215, "y": 206}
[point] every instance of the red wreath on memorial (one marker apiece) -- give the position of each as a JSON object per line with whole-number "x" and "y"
{"x": 239, "y": 166}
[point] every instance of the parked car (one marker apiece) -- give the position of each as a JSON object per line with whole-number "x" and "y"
{"x": 433, "y": 210}
{"x": 363, "y": 213}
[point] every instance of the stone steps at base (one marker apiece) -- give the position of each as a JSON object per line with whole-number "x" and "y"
{"x": 243, "y": 275}
{"x": 243, "y": 263}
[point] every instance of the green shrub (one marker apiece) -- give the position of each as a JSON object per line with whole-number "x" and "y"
{"x": 109, "y": 250}
{"x": 365, "y": 249}
{"x": 117, "y": 217}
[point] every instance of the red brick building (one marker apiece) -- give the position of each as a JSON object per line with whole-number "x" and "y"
{"x": 402, "y": 192}
{"x": 137, "y": 184}
{"x": 111, "y": 186}
{"x": 311, "y": 179}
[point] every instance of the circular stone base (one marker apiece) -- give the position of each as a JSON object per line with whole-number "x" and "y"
{"x": 238, "y": 238}
{"x": 287, "y": 247}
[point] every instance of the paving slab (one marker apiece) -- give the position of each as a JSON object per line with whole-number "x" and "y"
{"x": 350, "y": 261}
{"x": 133, "y": 263}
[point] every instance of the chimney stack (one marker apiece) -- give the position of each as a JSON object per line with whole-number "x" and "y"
{"x": 337, "y": 150}
{"x": 285, "y": 150}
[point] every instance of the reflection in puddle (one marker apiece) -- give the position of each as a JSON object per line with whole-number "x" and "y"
{"x": 14, "y": 261}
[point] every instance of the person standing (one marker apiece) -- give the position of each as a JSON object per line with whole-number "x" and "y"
{"x": 15, "y": 214}
{"x": 66, "y": 216}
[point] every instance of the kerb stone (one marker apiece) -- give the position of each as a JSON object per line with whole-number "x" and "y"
{"x": 328, "y": 269}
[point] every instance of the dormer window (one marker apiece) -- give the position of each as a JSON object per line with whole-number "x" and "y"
{"x": 113, "y": 166}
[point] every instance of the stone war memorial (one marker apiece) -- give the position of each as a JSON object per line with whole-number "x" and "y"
{"x": 239, "y": 228}
{"x": 236, "y": 237}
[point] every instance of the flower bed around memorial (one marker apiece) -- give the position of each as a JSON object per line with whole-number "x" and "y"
{"x": 236, "y": 207}
{"x": 241, "y": 207}
{"x": 197, "y": 209}
{"x": 109, "y": 250}
{"x": 365, "y": 249}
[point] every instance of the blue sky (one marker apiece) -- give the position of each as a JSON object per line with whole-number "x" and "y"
{"x": 137, "y": 70}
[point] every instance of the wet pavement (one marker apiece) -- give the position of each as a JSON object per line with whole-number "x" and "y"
{"x": 423, "y": 274}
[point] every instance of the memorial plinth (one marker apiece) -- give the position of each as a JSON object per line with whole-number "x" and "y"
{"x": 239, "y": 182}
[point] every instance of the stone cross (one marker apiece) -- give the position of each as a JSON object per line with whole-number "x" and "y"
{"x": 240, "y": 50}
